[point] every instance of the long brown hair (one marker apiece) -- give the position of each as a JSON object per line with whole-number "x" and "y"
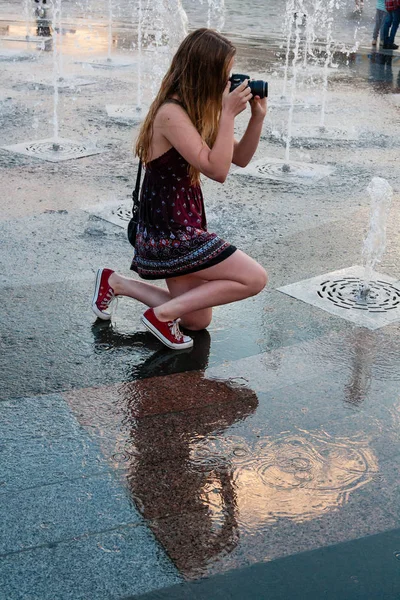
{"x": 197, "y": 75}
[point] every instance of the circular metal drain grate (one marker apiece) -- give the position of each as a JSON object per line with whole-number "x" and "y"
{"x": 124, "y": 213}
{"x": 64, "y": 149}
{"x": 326, "y": 133}
{"x": 279, "y": 171}
{"x": 345, "y": 293}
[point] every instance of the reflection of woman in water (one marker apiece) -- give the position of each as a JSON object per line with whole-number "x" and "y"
{"x": 191, "y": 503}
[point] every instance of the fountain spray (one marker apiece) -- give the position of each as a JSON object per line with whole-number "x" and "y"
{"x": 28, "y": 16}
{"x": 298, "y": 22}
{"x": 311, "y": 18}
{"x": 109, "y": 29}
{"x": 139, "y": 62}
{"x": 56, "y": 10}
{"x": 381, "y": 194}
{"x": 216, "y": 10}
{"x": 328, "y": 22}
{"x": 288, "y": 28}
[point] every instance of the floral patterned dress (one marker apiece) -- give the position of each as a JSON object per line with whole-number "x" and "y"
{"x": 172, "y": 237}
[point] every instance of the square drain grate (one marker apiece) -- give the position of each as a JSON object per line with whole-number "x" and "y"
{"x": 115, "y": 62}
{"x": 70, "y": 83}
{"x": 118, "y": 214}
{"x": 125, "y": 112}
{"x": 339, "y": 294}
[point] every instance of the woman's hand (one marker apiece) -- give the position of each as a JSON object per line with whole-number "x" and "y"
{"x": 233, "y": 103}
{"x": 258, "y": 107}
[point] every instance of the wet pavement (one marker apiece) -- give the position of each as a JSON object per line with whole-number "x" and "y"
{"x": 263, "y": 461}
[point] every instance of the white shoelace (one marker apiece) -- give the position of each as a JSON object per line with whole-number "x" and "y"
{"x": 112, "y": 303}
{"x": 108, "y": 298}
{"x": 174, "y": 328}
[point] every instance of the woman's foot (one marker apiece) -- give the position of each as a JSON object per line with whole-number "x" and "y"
{"x": 373, "y": 43}
{"x": 168, "y": 333}
{"x": 103, "y": 294}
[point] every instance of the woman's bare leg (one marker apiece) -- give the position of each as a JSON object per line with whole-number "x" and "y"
{"x": 150, "y": 295}
{"x": 196, "y": 320}
{"x": 235, "y": 278}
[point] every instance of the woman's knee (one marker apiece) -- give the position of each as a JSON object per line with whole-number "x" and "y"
{"x": 198, "y": 320}
{"x": 257, "y": 280}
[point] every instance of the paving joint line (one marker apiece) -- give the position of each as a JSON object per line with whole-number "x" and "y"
{"x": 76, "y": 538}
{"x": 108, "y": 471}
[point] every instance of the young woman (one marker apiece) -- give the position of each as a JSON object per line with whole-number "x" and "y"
{"x": 188, "y": 131}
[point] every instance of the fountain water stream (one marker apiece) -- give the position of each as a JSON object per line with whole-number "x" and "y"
{"x": 297, "y": 22}
{"x": 162, "y": 25}
{"x": 216, "y": 14}
{"x": 27, "y": 10}
{"x": 57, "y": 34}
{"x": 312, "y": 16}
{"x": 328, "y": 57}
{"x": 381, "y": 194}
{"x": 288, "y": 29}
{"x": 109, "y": 29}
{"x": 139, "y": 63}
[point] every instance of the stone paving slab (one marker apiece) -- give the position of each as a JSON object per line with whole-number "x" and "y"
{"x": 356, "y": 352}
{"x": 31, "y": 463}
{"x": 42, "y": 443}
{"x": 275, "y": 369}
{"x": 60, "y": 511}
{"x": 67, "y": 527}
{"x": 104, "y": 566}
{"x": 363, "y": 569}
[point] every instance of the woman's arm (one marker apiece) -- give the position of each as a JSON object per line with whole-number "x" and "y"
{"x": 176, "y": 127}
{"x": 244, "y": 150}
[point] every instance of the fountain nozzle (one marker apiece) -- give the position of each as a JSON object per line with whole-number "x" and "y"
{"x": 286, "y": 168}
{"x": 364, "y": 291}
{"x": 56, "y": 147}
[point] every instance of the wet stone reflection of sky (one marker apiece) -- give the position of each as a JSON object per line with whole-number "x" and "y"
{"x": 225, "y": 476}
{"x": 279, "y": 431}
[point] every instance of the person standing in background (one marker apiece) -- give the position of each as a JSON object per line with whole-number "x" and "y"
{"x": 359, "y": 6}
{"x": 391, "y": 24}
{"x": 380, "y": 16}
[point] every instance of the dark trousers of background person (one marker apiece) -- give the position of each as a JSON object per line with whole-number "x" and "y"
{"x": 390, "y": 26}
{"x": 379, "y": 21}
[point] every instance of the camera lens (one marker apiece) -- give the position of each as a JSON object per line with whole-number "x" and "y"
{"x": 259, "y": 88}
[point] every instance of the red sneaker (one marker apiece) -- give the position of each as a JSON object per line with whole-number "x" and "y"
{"x": 168, "y": 333}
{"x": 103, "y": 294}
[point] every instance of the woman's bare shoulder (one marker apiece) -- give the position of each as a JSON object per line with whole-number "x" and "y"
{"x": 170, "y": 112}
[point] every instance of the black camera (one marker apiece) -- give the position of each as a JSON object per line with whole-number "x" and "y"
{"x": 257, "y": 86}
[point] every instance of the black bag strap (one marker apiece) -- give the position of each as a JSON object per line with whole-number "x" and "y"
{"x": 135, "y": 193}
